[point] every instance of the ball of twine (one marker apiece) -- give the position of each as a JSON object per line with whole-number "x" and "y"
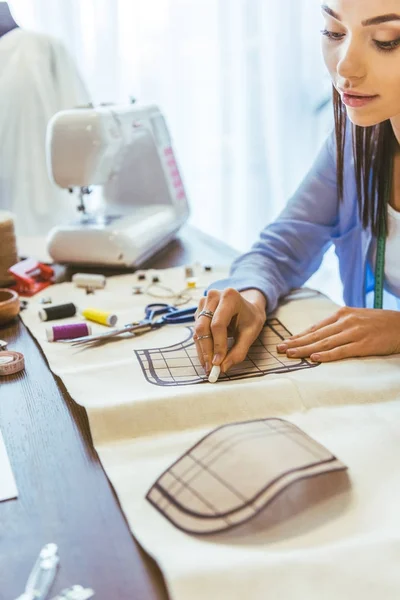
{"x": 8, "y": 247}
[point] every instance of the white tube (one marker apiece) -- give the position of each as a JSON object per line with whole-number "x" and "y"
{"x": 89, "y": 280}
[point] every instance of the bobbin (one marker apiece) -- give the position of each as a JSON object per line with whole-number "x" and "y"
{"x": 189, "y": 272}
{"x": 191, "y": 283}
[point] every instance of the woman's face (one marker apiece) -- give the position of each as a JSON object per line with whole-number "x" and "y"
{"x": 361, "y": 47}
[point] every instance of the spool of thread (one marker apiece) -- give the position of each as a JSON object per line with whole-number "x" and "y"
{"x": 8, "y": 247}
{"x": 89, "y": 280}
{"x": 11, "y": 362}
{"x": 189, "y": 273}
{"x": 191, "y": 283}
{"x": 100, "y": 316}
{"x": 61, "y": 311}
{"x": 67, "y": 332}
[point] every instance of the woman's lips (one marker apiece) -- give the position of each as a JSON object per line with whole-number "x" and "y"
{"x": 355, "y": 101}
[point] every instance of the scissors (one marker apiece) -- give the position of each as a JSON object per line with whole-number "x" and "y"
{"x": 168, "y": 315}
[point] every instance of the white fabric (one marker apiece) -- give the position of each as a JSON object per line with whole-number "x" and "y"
{"x": 8, "y": 487}
{"x": 37, "y": 79}
{"x": 347, "y": 547}
{"x": 392, "y": 256}
{"x": 241, "y": 104}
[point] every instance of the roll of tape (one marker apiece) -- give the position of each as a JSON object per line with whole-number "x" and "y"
{"x": 11, "y": 362}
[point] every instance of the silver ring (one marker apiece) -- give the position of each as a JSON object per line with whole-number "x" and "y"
{"x": 203, "y": 337}
{"x": 206, "y": 313}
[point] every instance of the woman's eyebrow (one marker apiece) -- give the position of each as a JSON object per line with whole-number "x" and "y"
{"x": 330, "y": 12}
{"x": 381, "y": 19}
{"x": 368, "y": 22}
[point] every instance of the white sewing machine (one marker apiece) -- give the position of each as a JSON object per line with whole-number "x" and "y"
{"x": 127, "y": 150}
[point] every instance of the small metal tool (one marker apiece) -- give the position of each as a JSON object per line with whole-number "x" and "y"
{"x": 42, "y": 575}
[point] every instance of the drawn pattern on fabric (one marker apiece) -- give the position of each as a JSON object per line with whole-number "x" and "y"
{"x": 179, "y": 364}
{"x": 202, "y": 493}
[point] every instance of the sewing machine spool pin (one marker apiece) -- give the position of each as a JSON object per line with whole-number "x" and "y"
{"x": 83, "y": 192}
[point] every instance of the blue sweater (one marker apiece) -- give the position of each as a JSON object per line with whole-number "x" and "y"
{"x": 291, "y": 249}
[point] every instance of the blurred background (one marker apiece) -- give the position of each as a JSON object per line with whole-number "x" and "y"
{"x": 241, "y": 83}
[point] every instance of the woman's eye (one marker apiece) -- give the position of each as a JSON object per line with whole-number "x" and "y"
{"x": 387, "y": 46}
{"x": 332, "y": 35}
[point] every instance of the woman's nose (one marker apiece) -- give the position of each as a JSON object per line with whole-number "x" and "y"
{"x": 351, "y": 64}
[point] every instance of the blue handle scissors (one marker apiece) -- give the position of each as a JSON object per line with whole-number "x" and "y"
{"x": 171, "y": 315}
{"x": 168, "y": 315}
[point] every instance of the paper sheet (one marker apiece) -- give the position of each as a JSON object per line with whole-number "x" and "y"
{"x": 8, "y": 487}
{"x": 344, "y": 546}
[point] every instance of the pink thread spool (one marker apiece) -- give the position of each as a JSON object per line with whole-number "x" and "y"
{"x": 67, "y": 332}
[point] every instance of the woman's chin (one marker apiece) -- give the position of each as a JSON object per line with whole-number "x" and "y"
{"x": 363, "y": 119}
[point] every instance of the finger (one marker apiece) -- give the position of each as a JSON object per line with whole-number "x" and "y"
{"x": 310, "y": 338}
{"x": 239, "y": 351}
{"x": 199, "y": 351}
{"x": 208, "y": 304}
{"x": 341, "y": 339}
{"x": 226, "y": 311}
{"x": 202, "y": 302}
{"x": 328, "y": 321}
{"x": 202, "y": 329}
{"x": 352, "y": 350}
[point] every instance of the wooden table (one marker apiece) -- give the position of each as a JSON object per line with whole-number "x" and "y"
{"x": 64, "y": 495}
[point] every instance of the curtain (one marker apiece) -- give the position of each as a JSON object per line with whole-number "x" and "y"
{"x": 240, "y": 82}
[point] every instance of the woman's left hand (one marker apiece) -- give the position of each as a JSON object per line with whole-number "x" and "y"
{"x": 350, "y": 332}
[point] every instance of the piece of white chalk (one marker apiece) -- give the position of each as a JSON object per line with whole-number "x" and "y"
{"x": 215, "y": 371}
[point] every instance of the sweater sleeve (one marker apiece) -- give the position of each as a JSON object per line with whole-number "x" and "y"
{"x": 291, "y": 249}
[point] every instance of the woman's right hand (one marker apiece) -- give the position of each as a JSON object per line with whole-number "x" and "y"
{"x": 240, "y": 315}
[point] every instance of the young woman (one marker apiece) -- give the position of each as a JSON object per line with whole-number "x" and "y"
{"x": 351, "y": 197}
